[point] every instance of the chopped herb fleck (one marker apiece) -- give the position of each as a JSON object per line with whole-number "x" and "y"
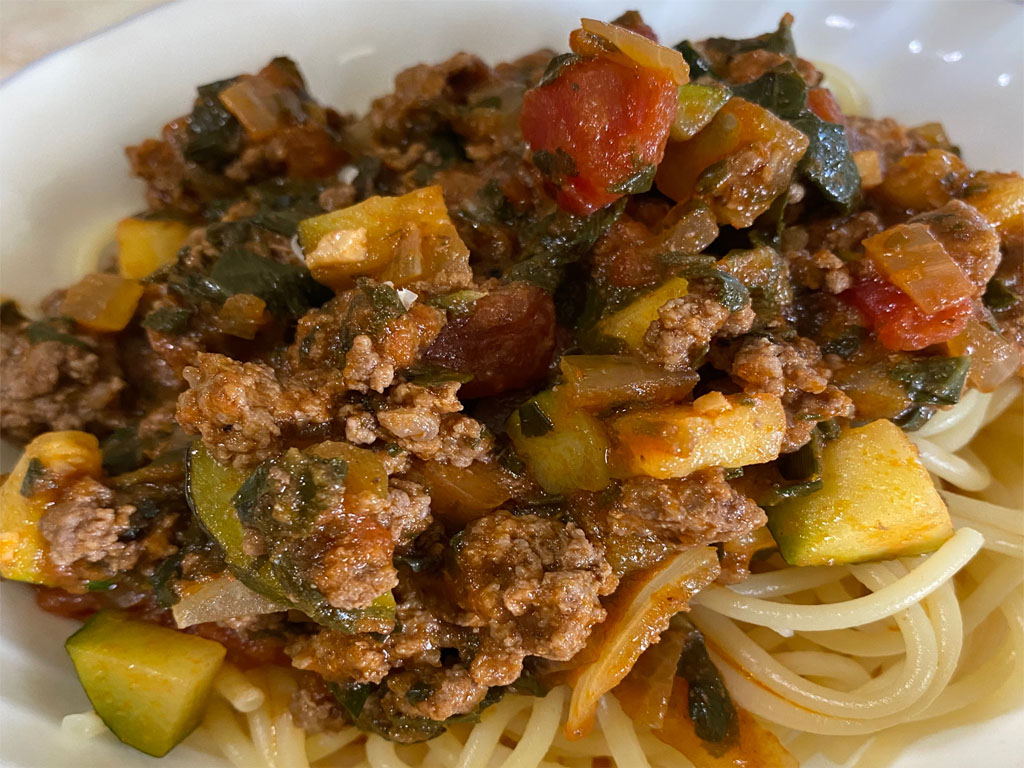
{"x": 533, "y": 422}
{"x": 35, "y": 474}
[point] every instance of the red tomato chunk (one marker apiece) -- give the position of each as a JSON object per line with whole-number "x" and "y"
{"x": 822, "y": 103}
{"x": 598, "y": 130}
{"x": 899, "y": 322}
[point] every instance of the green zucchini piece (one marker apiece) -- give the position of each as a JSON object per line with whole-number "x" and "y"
{"x": 149, "y": 684}
{"x": 212, "y": 490}
{"x": 876, "y": 502}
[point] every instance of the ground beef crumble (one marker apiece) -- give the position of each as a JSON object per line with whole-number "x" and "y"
{"x": 85, "y": 526}
{"x": 533, "y": 585}
{"x": 426, "y": 421}
{"x": 50, "y": 385}
{"x": 794, "y": 371}
{"x": 243, "y": 411}
{"x": 685, "y": 327}
{"x": 436, "y": 694}
{"x": 699, "y": 509}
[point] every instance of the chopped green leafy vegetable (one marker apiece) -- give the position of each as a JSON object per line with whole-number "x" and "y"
{"x": 846, "y": 343}
{"x": 779, "y": 41}
{"x": 913, "y": 418}
{"x": 122, "y": 451}
{"x": 557, "y": 165}
{"x": 35, "y": 474}
{"x": 555, "y": 67}
{"x": 710, "y": 706}
{"x": 557, "y": 240}
{"x": 828, "y": 162}
{"x": 932, "y": 380}
{"x": 288, "y": 289}
{"x": 168, "y": 319}
{"x": 730, "y": 292}
{"x": 533, "y": 421}
{"x": 999, "y": 296}
{"x": 781, "y": 90}
{"x": 698, "y": 64}
{"x": 214, "y": 135}
{"x": 45, "y": 330}
{"x": 352, "y": 696}
{"x": 637, "y": 182}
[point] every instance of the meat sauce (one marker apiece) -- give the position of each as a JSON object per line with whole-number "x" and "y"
{"x": 547, "y": 167}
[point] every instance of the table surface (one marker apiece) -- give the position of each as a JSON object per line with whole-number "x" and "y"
{"x": 30, "y": 29}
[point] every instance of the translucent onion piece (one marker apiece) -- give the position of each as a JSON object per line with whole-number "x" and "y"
{"x": 644, "y": 52}
{"x": 653, "y": 598}
{"x": 222, "y": 598}
{"x": 913, "y": 260}
{"x": 254, "y": 102}
{"x": 993, "y": 358}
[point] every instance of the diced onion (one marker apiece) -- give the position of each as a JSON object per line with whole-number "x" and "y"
{"x": 261, "y": 106}
{"x": 656, "y": 596}
{"x": 913, "y": 260}
{"x": 644, "y": 52}
{"x": 83, "y": 725}
{"x": 869, "y": 166}
{"x": 993, "y": 358}
{"x": 222, "y": 598}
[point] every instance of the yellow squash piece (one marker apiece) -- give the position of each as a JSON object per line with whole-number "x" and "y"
{"x": 149, "y": 684}
{"x": 714, "y": 431}
{"x": 400, "y": 239}
{"x": 565, "y": 448}
{"x": 999, "y": 197}
{"x": 630, "y": 323}
{"x": 102, "y": 302}
{"x": 57, "y": 454}
{"x": 923, "y": 181}
{"x": 877, "y": 501}
{"x": 366, "y": 469}
{"x": 701, "y": 166}
{"x": 144, "y": 246}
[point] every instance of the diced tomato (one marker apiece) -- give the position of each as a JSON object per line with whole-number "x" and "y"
{"x": 822, "y": 103}
{"x": 598, "y": 130}
{"x": 899, "y": 322}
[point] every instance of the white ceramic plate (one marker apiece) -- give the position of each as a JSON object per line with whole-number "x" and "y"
{"x": 64, "y": 182}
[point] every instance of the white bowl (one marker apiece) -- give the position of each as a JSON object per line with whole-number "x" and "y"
{"x": 64, "y": 182}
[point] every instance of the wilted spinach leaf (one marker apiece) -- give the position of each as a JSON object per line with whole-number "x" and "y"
{"x": 999, "y": 296}
{"x": 828, "y": 162}
{"x": 168, "y": 319}
{"x": 45, "y": 330}
{"x": 557, "y": 240}
{"x": 710, "y": 706}
{"x": 932, "y": 380}
{"x": 122, "y": 451}
{"x": 35, "y": 474}
{"x": 533, "y": 422}
{"x": 781, "y": 90}
{"x": 779, "y": 41}
{"x": 288, "y": 289}
{"x": 214, "y": 135}
{"x": 695, "y": 59}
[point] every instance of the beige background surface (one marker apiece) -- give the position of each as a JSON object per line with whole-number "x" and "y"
{"x": 30, "y": 29}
